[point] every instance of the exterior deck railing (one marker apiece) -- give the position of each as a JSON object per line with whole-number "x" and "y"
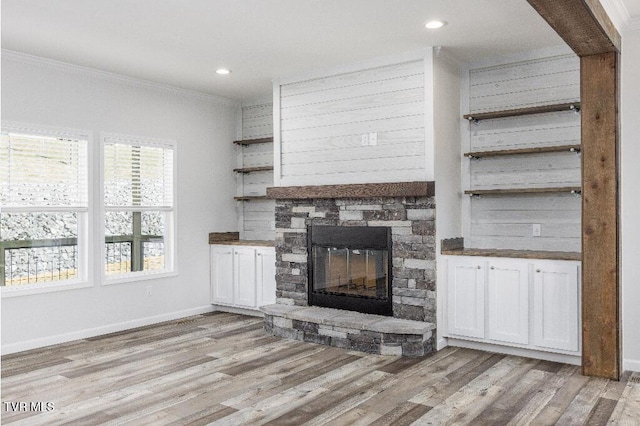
{"x": 57, "y": 258}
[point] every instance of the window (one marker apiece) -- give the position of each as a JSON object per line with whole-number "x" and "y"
{"x": 139, "y": 206}
{"x": 44, "y": 208}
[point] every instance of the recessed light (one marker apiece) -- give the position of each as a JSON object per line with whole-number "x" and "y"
{"x": 223, "y": 71}
{"x": 432, "y": 25}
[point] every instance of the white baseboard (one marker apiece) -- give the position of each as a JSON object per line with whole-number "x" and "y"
{"x": 509, "y": 350}
{"x": 98, "y": 331}
{"x": 442, "y": 343}
{"x": 236, "y": 310}
{"x": 631, "y": 365}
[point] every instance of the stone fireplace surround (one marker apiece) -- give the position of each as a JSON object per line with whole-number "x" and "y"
{"x": 409, "y": 210}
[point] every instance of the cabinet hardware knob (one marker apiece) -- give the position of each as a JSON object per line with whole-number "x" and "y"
{"x": 538, "y": 270}
{"x": 479, "y": 267}
{"x": 493, "y": 267}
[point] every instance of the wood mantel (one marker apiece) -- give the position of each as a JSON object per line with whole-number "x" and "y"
{"x": 365, "y": 190}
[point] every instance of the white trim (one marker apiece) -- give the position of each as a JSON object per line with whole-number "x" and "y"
{"x": 137, "y": 276}
{"x": 171, "y": 231}
{"x": 442, "y": 343}
{"x": 263, "y": 100}
{"x": 634, "y": 24}
{"x": 137, "y": 140}
{"x": 631, "y": 364}
{"x": 98, "y": 331}
{"x": 510, "y": 350}
{"x": 235, "y": 310}
{"x": 429, "y": 118}
{"x": 50, "y": 131}
{"x": 617, "y": 12}
{"x": 277, "y": 135}
{"x": 379, "y": 62}
{"x": 41, "y": 288}
{"x": 118, "y": 78}
{"x": 85, "y": 219}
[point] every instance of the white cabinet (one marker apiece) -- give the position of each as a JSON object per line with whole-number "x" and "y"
{"x": 528, "y": 303}
{"x": 555, "y": 306}
{"x": 242, "y": 276}
{"x": 508, "y": 301}
{"x": 466, "y": 297}
{"x": 266, "y": 273}
{"x": 222, "y": 274}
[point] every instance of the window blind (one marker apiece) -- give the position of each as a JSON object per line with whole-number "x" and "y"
{"x": 138, "y": 177}
{"x": 47, "y": 173}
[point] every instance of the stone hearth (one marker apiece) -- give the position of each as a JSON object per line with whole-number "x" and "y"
{"x": 411, "y": 219}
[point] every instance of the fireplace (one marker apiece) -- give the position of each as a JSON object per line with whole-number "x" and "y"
{"x": 349, "y": 268}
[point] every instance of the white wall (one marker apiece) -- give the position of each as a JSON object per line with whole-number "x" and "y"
{"x": 447, "y": 78}
{"x": 630, "y": 199}
{"x": 256, "y": 216}
{"x": 47, "y": 93}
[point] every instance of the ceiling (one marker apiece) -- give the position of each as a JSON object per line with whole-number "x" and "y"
{"x": 182, "y": 42}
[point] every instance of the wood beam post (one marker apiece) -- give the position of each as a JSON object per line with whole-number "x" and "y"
{"x": 586, "y": 28}
{"x": 600, "y": 277}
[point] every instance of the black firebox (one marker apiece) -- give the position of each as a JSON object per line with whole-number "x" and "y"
{"x": 350, "y": 267}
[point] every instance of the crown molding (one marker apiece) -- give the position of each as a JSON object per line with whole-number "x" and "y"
{"x": 618, "y": 13}
{"x": 113, "y": 77}
{"x": 263, "y": 100}
{"x": 634, "y": 24}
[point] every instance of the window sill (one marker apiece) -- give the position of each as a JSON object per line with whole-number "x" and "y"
{"x": 32, "y": 289}
{"x": 137, "y": 276}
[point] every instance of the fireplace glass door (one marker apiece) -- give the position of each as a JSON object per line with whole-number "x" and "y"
{"x": 350, "y": 272}
{"x": 349, "y": 268}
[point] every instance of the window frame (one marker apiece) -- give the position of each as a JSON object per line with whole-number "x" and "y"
{"x": 85, "y": 215}
{"x": 170, "y": 235}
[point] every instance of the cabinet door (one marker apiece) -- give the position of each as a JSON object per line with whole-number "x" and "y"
{"x": 221, "y": 274}
{"x": 244, "y": 260}
{"x": 508, "y": 304}
{"x": 465, "y": 297}
{"x": 556, "y": 301}
{"x": 266, "y": 276}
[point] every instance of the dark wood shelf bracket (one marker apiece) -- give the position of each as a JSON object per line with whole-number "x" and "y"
{"x": 521, "y": 151}
{"x": 523, "y": 191}
{"x": 476, "y": 118}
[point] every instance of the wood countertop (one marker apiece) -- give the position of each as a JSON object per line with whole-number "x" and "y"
{"x": 258, "y": 243}
{"x": 518, "y": 254}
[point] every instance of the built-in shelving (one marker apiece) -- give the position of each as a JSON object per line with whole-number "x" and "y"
{"x": 253, "y": 169}
{"x": 250, "y": 197}
{"x": 571, "y": 106}
{"x": 521, "y": 151}
{"x": 253, "y": 141}
{"x": 512, "y": 191}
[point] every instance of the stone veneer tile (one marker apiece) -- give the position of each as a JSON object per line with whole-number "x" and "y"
{"x": 413, "y": 236}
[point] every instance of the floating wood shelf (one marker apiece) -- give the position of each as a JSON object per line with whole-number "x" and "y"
{"x": 572, "y": 106}
{"x": 250, "y": 197}
{"x": 253, "y": 141}
{"x": 509, "y": 191}
{"x": 517, "y": 254}
{"x": 366, "y": 190}
{"x": 253, "y": 169}
{"x": 520, "y": 151}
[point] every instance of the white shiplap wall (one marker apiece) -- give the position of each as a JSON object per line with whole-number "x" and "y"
{"x": 506, "y": 221}
{"x": 322, "y": 121}
{"x": 257, "y": 216}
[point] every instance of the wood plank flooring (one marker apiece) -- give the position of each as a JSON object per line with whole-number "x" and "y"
{"x": 222, "y": 369}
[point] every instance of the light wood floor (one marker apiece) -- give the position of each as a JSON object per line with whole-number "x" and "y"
{"x": 221, "y": 368}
